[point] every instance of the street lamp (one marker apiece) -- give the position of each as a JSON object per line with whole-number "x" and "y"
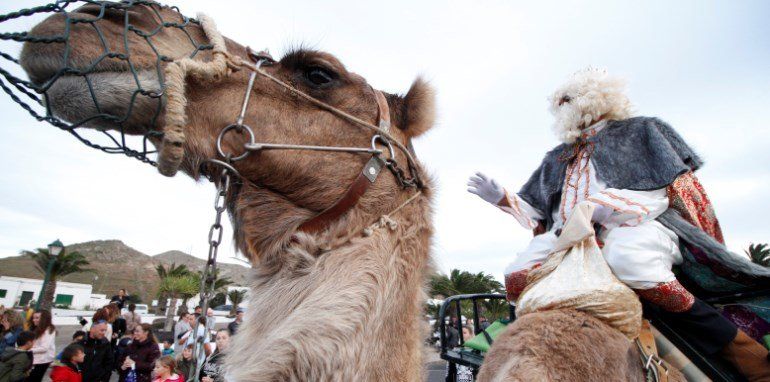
{"x": 54, "y": 249}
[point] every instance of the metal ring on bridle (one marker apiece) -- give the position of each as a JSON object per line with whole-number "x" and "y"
{"x": 222, "y": 164}
{"x": 224, "y": 131}
{"x": 384, "y": 141}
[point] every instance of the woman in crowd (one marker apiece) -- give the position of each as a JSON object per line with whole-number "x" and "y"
{"x": 69, "y": 370}
{"x": 185, "y": 362}
{"x": 467, "y": 332}
{"x": 11, "y": 324}
{"x": 165, "y": 370}
{"x": 212, "y": 369}
{"x": 141, "y": 355}
{"x": 44, "y": 348}
{"x": 132, "y": 318}
{"x": 117, "y": 323}
{"x": 182, "y": 326}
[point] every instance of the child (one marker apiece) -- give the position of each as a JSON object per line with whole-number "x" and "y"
{"x": 69, "y": 368}
{"x": 76, "y": 337}
{"x": 15, "y": 363}
{"x": 165, "y": 369}
{"x": 167, "y": 349}
{"x": 185, "y": 362}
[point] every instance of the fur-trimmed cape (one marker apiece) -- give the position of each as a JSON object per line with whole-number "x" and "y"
{"x": 640, "y": 153}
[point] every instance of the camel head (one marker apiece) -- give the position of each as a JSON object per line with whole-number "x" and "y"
{"x": 124, "y": 90}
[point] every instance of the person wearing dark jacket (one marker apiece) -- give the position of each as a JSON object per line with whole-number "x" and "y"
{"x": 16, "y": 362}
{"x": 97, "y": 366}
{"x": 120, "y": 298}
{"x": 141, "y": 354}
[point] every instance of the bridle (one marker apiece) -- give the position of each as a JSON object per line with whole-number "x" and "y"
{"x": 365, "y": 178}
{"x": 171, "y": 150}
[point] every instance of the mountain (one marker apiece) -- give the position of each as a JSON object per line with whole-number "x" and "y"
{"x": 115, "y": 265}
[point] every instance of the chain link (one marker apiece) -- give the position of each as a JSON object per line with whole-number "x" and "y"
{"x": 209, "y": 276}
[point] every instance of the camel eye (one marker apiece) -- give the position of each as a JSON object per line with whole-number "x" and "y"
{"x": 564, "y": 100}
{"x": 318, "y": 76}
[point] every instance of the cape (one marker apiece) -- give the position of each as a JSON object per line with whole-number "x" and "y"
{"x": 643, "y": 154}
{"x": 640, "y": 153}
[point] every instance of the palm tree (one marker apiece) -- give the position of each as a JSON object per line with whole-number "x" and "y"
{"x": 236, "y": 298}
{"x": 759, "y": 253}
{"x": 463, "y": 282}
{"x": 172, "y": 271}
{"x": 64, "y": 264}
{"x": 220, "y": 283}
{"x": 176, "y": 287}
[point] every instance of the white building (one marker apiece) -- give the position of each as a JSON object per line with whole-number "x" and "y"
{"x": 17, "y": 291}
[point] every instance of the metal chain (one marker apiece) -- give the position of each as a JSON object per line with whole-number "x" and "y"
{"x": 401, "y": 178}
{"x": 208, "y": 279}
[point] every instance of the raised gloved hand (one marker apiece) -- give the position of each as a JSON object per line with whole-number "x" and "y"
{"x": 486, "y": 188}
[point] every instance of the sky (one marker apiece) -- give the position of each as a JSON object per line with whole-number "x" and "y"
{"x": 702, "y": 66}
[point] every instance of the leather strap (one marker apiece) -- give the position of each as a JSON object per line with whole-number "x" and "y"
{"x": 358, "y": 188}
{"x": 351, "y": 197}
{"x": 649, "y": 353}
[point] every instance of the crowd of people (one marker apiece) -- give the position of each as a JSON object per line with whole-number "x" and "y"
{"x": 111, "y": 343}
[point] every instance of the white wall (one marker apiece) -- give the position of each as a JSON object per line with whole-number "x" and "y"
{"x": 15, "y": 286}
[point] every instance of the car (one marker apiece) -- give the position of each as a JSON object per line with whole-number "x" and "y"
{"x": 222, "y": 310}
{"x": 142, "y": 309}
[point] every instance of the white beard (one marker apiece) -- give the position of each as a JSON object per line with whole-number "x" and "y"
{"x": 568, "y": 121}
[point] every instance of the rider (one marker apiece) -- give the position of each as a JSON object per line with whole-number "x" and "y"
{"x": 624, "y": 165}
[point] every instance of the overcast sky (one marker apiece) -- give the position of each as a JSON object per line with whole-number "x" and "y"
{"x": 702, "y": 66}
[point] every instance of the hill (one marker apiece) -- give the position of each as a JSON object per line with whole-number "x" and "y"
{"x": 116, "y": 265}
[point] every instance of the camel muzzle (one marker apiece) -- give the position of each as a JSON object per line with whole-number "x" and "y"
{"x": 111, "y": 96}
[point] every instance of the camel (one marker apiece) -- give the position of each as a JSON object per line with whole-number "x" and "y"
{"x": 327, "y": 305}
{"x": 332, "y": 305}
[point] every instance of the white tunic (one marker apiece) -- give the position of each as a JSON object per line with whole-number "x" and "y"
{"x": 639, "y": 250}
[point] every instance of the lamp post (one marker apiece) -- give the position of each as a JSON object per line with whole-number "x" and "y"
{"x": 54, "y": 249}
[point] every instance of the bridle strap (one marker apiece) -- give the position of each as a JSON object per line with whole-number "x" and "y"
{"x": 358, "y": 188}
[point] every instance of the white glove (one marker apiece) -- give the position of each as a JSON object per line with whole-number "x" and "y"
{"x": 486, "y": 188}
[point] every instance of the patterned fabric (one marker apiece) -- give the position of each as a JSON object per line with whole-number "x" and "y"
{"x": 670, "y": 296}
{"x": 687, "y": 196}
{"x": 515, "y": 282}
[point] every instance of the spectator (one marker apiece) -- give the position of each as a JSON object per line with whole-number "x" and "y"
{"x": 165, "y": 370}
{"x": 120, "y": 299}
{"x": 101, "y": 314}
{"x": 77, "y": 337}
{"x": 483, "y": 323}
{"x": 197, "y": 311}
{"x": 203, "y": 335}
{"x": 12, "y": 324}
{"x": 211, "y": 321}
{"x": 181, "y": 328}
{"x": 140, "y": 355}
{"x": 69, "y": 369}
{"x": 212, "y": 369}
{"x": 167, "y": 349}
{"x": 27, "y": 313}
{"x": 44, "y": 348}
{"x": 233, "y": 326}
{"x": 185, "y": 362}
{"x": 467, "y": 333}
{"x": 116, "y": 321}
{"x": 452, "y": 336}
{"x": 15, "y": 362}
{"x": 97, "y": 366}
{"x": 132, "y": 318}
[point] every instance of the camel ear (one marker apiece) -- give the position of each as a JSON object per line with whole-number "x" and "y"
{"x": 416, "y": 111}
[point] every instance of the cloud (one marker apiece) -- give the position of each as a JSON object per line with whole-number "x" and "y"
{"x": 703, "y": 69}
